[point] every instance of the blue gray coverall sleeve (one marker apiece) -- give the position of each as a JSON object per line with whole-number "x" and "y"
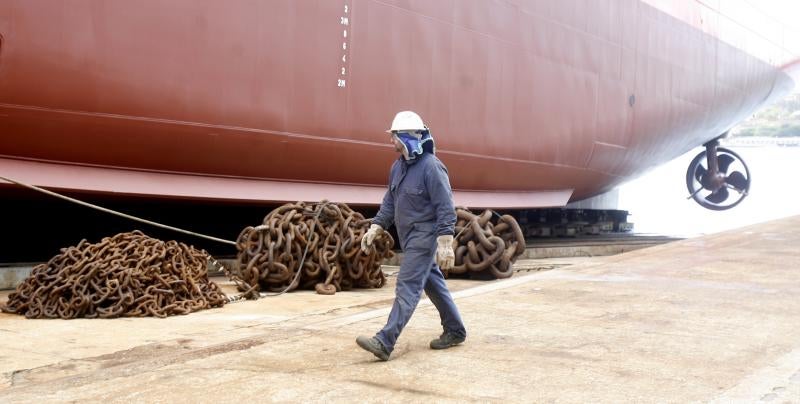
{"x": 385, "y": 216}
{"x": 438, "y": 187}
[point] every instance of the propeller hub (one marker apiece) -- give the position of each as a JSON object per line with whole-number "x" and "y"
{"x": 716, "y": 181}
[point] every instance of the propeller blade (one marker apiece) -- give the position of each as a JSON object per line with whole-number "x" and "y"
{"x": 718, "y": 197}
{"x": 737, "y": 180}
{"x": 699, "y": 172}
{"x": 724, "y": 161}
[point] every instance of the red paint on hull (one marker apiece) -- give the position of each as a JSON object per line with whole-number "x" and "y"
{"x": 522, "y": 96}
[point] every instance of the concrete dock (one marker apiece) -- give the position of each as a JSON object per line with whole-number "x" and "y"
{"x": 710, "y": 319}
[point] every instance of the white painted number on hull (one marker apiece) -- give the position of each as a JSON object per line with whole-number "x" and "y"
{"x": 344, "y": 20}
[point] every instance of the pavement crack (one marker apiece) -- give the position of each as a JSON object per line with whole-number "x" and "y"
{"x": 13, "y": 377}
{"x": 149, "y": 364}
{"x": 402, "y": 389}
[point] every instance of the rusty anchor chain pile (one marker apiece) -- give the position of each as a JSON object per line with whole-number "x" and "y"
{"x": 127, "y": 275}
{"x": 325, "y": 238}
{"x": 483, "y": 246}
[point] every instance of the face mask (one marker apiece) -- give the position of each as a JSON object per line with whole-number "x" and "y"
{"x": 415, "y": 143}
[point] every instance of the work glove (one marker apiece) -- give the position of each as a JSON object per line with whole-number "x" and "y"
{"x": 369, "y": 238}
{"x": 445, "y": 257}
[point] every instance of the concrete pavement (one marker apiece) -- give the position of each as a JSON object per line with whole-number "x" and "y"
{"x": 704, "y": 319}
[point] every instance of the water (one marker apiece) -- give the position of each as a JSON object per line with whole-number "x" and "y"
{"x": 657, "y": 200}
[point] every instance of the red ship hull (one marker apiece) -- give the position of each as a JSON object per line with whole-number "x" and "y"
{"x": 531, "y": 103}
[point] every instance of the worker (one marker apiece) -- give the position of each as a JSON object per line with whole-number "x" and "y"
{"x": 419, "y": 203}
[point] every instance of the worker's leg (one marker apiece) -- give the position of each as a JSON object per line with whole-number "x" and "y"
{"x": 411, "y": 279}
{"x": 436, "y": 289}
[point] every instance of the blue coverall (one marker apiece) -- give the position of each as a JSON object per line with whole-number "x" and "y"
{"x": 419, "y": 202}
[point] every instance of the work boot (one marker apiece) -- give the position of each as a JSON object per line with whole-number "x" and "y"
{"x": 446, "y": 340}
{"x": 373, "y": 345}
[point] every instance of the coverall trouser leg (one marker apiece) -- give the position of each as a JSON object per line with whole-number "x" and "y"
{"x": 417, "y": 272}
{"x": 437, "y": 291}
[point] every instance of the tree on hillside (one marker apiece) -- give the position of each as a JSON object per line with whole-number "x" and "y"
{"x": 781, "y": 119}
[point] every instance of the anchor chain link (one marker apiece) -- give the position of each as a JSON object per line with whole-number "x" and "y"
{"x": 309, "y": 246}
{"x": 126, "y": 275}
{"x": 485, "y": 247}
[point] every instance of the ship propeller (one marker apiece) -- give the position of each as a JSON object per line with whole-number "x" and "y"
{"x": 724, "y": 161}
{"x": 710, "y": 184}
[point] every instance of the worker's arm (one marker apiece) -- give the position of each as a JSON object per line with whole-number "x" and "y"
{"x": 438, "y": 186}
{"x": 385, "y": 216}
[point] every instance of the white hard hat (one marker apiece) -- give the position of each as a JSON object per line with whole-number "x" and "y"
{"x": 407, "y": 120}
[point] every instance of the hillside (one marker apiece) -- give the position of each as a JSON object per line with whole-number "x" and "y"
{"x": 781, "y": 119}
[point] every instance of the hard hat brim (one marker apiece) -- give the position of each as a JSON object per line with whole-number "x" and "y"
{"x": 407, "y": 130}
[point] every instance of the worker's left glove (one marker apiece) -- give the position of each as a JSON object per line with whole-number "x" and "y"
{"x": 369, "y": 237}
{"x": 445, "y": 257}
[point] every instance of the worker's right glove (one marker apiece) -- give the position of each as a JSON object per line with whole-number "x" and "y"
{"x": 369, "y": 237}
{"x": 445, "y": 257}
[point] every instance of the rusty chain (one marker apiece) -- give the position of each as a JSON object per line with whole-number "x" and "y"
{"x": 326, "y": 235}
{"x": 486, "y": 247}
{"x": 129, "y": 274}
